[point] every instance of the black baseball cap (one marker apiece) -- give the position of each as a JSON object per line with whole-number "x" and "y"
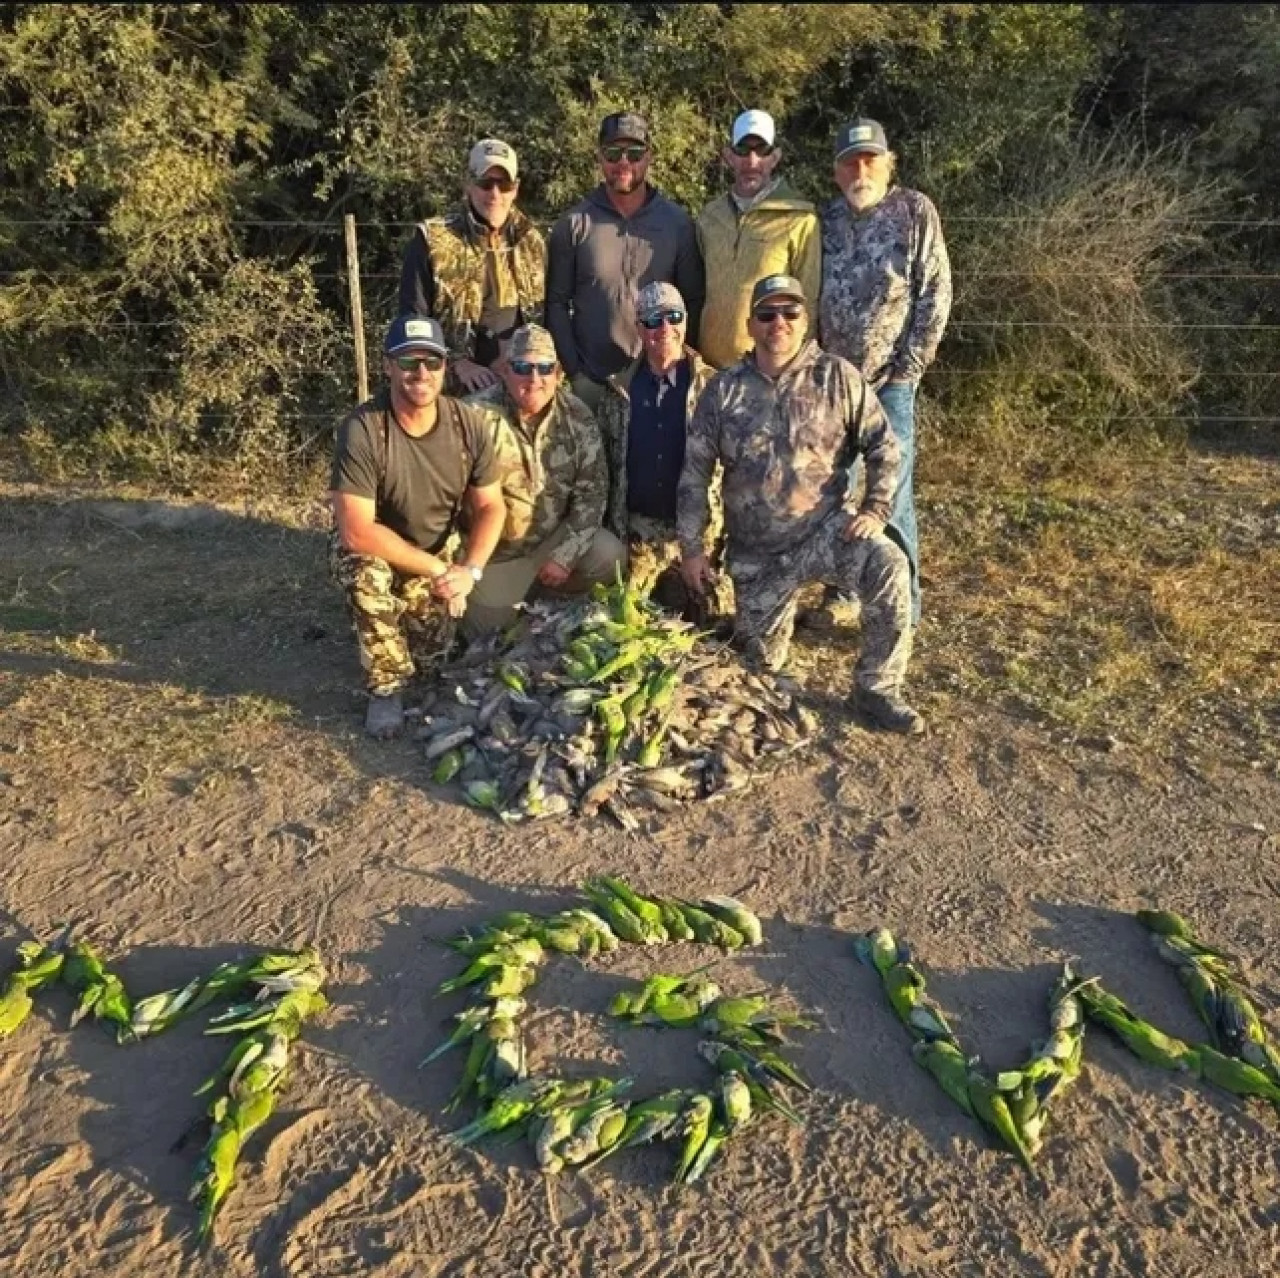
{"x": 414, "y": 333}
{"x": 624, "y": 126}
{"x": 861, "y": 135}
{"x": 777, "y": 286}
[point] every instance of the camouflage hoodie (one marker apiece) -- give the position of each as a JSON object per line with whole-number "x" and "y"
{"x": 778, "y": 235}
{"x": 786, "y": 445}
{"x": 614, "y": 415}
{"x": 444, "y": 272}
{"x": 552, "y": 472}
{"x": 886, "y": 285}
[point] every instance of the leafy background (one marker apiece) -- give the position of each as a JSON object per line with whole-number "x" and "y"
{"x": 173, "y": 180}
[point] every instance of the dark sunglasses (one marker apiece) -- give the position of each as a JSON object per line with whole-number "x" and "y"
{"x": 633, "y": 153}
{"x": 767, "y": 314}
{"x": 504, "y": 184}
{"x": 526, "y": 367}
{"x": 747, "y": 147}
{"x": 411, "y": 363}
{"x": 659, "y": 318}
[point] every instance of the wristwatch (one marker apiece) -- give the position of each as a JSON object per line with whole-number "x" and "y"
{"x": 477, "y": 574}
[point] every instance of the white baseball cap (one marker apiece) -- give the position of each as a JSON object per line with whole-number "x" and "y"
{"x": 753, "y": 124}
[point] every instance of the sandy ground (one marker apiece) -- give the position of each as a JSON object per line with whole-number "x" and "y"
{"x": 180, "y": 770}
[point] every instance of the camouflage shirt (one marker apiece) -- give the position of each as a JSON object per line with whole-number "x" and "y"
{"x": 448, "y": 260}
{"x": 552, "y": 472}
{"x": 786, "y": 445}
{"x": 886, "y": 285}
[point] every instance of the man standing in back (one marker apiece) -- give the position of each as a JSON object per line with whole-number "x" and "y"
{"x": 480, "y": 271}
{"x": 605, "y": 249}
{"x": 886, "y": 295}
{"x": 760, "y": 226}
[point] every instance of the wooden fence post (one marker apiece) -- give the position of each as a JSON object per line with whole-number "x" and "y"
{"x": 357, "y": 308}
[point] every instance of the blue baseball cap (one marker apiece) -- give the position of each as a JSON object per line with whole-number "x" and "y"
{"x": 861, "y": 135}
{"x": 414, "y": 333}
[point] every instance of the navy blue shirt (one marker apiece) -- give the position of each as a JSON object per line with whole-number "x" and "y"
{"x": 655, "y": 441}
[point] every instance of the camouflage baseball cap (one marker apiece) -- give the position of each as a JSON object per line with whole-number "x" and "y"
{"x": 861, "y": 135}
{"x": 532, "y": 342}
{"x": 658, "y": 296}
{"x": 777, "y": 286}
{"x": 491, "y": 153}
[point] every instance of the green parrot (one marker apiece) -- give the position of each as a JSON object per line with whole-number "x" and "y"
{"x": 526, "y": 952}
{"x": 597, "y": 1136}
{"x": 647, "y": 911}
{"x": 735, "y": 1100}
{"x": 673, "y": 920}
{"x": 549, "y": 1134}
{"x": 37, "y": 967}
{"x": 736, "y": 915}
{"x": 1142, "y": 1039}
{"x": 101, "y": 992}
{"x": 709, "y": 930}
{"x": 1238, "y": 1077}
{"x": 881, "y": 950}
{"x": 652, "y": 1119}
{"x": 765, "y": 1087}
{"x": 678, "y": 1010}
{"x": 509, "y": 1107}
{"x": 946, "y": 1062}
{"x": 159, "y": 1011}
{"x": 477, "y": 1058}
{"x": 717, "y": 1134}
{"x": 622, "y": 921}
{"x": 508, "y": 982}
{"x": 473, "y": 1019}
{"x": 992, "y": 1110}
{"x": 695, "y": 1126}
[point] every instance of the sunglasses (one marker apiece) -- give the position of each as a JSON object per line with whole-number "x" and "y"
{"x": 411, "y": 363}
{"x": 633, "y": 153}
{"x": 527, "y": 367}
{"x": 659, "y": 318}
{"x": 504, "y": 184}
{"x": 747, "y": 147}
{"x": 767, "y": 314}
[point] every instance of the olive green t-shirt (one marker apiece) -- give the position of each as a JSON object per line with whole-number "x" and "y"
{"x": 418, "y": 484}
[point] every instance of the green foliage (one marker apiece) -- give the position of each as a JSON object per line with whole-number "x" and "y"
{"x": 173, "y": 179}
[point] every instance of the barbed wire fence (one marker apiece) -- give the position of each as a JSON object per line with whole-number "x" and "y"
{"x": 347, "y": 281}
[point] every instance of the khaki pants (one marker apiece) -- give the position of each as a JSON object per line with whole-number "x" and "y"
{"x": 492, "y": 604}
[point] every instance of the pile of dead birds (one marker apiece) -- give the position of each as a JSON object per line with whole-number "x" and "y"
{"x": 605, "y": 704}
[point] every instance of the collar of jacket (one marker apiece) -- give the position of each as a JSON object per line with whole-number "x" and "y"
{"x": 478, "y": 231}
{"x": 783, "y": 196}
{"x": 620, "y": 382}
{"x": 805, "y": 358}
{"x": 600, "y": 198}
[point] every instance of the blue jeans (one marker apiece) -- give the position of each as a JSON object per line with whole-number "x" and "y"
{"x": 898, "y": 399}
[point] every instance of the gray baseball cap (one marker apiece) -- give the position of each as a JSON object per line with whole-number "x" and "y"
{"x": 861, "y": 135}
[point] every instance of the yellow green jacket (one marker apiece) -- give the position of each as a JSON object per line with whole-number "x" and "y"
{"x": 777, "y": 236}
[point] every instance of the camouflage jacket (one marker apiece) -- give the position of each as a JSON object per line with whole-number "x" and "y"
{"x": 614, "y": 416}
{"x": 886, "y": 285}
{"x": 552, "y": 473}
{"x": 786, "y": 445}
{"x": 444, "y": 272}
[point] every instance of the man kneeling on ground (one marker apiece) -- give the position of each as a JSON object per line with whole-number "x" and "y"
{"x": 554, "y": 481}
{"x": 404, "y": 463}
{"x": 785, "y": 422}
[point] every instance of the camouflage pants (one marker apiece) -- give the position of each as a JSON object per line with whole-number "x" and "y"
{"x": 653, "y": 566}
{"x": 399, "y": 626}
{"x": 873, "y": 569}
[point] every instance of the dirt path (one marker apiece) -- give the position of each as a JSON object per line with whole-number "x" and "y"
{"x": 180, "y": 768}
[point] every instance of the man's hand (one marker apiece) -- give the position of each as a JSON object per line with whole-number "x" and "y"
{"x": 553, "y": 574}
{"x": 698, "y": 574}
{"x": 456, "y": 582}
{"x": 474, "y": 376}
{"x": 862, "y": 526}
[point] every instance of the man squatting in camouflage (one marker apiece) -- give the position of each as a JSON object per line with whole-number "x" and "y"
{"x": 644, "y": 416}
{"x": 555, "y": 483}
{"x": 481, "y": 271}
{"x": 786, "y": 422}
{"x": 886, "y": 295}
{"x": 405, "y": 462}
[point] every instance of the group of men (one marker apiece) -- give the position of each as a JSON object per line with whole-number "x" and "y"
{"x": 693, "y": 414}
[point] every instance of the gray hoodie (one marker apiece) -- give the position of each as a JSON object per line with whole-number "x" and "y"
{"x": 597, "y": 261}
